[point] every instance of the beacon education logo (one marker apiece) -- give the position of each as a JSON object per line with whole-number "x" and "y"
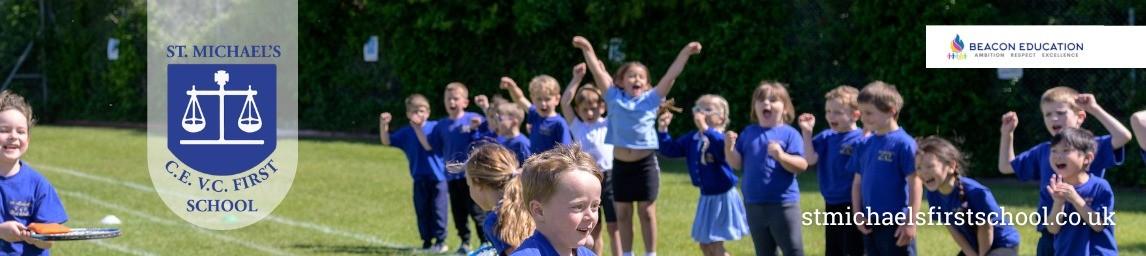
{"x": 957, "y": 49}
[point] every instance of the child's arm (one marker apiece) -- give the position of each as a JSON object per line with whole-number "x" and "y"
{"x": 665, "y": 85}
{"x": 1119, "y": 135}
{"x": 906, "y": 233}
{"x": 483, "y": 103}
{"x": 1138, "y": 123}
{"x": 1082, "y": 208}
{"x": 570, "y": 92}
{"x": 600, "y": 75}
{"x": 515, "y": 93}
{"x": 1007, "y": 142}
{"x": 857, "y": 204}
{"x": 384, "y": 128}
{"x": 807, "y": 121}
{"x": 669, "y": 147}
{"x": 416, "y": 124}
{"x": 730, "y": 154}
{"x": 1056, "y": 191}
{"x": 986, "y": 238}
{"x": 961, "y": 241}
{"x": 793, "y": 163}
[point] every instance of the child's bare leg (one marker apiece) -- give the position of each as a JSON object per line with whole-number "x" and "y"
{"x": 614, "y": 238}
{"x": 625, "y": 223}
{"x": 648, "y": 216}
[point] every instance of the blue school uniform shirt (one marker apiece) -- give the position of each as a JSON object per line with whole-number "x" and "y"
{"x": 546, "y": 132}
{"x": 834, "y": 149}
{"x": 765, "y": 180}
{"x": 490, "y": 229}
{"x": 28, "y": 198}
{"x": 520, "y": 146}
{"x": 538, "y": 245}
{"x": 631, "y": 119}
{"x": 883, "y": 163}
{"x": 1035, "y": 164}
{"x": 978, "y": 199}
{"x": 424, "y": 164}
{"x": 704, "y": 154}
{"x": 1081, "y": 239}
{"x": 452, "y": 140}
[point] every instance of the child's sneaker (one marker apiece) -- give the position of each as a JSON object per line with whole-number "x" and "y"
{"x": 464, "y": 249}
{"x": 439, "y": 248}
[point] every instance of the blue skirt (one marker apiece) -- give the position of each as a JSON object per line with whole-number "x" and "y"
{"x": 720, "y": 218}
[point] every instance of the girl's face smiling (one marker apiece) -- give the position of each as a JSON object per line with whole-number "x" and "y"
{"x": 568, "y": 217}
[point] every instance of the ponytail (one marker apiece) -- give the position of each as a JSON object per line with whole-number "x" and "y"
{"x": 514, "y": 224}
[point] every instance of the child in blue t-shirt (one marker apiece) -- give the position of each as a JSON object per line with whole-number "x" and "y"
{"x": 1062, "y": 107}
{"x": 28, "y": 197}
{"x": 834, "y": 146}
{"x": 774, "y": 152}
{"x": 885, "y": 184}
{"x": 509, "y": 117}
{"x": 560, "y": 194}
{"x": 632, "y": 106}
{"x": 940, "y": 166}
{"x": 1082, "y": 208}
{"x": 547, "y": 128}
{"x": 452, "y": 138}
{"x": 720, "y": 211}
{"x": 492, "y": 172}
{"x": 426, "y": 167}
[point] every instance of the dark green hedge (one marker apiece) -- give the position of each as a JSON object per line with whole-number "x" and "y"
{"x": 812, "y": 45}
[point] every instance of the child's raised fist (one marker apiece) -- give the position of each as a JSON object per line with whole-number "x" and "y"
{"x": 1010, "y": 121}
{"x": 663, "y": 121}
{"x": 1086, "y": 101}
{"x": 507, "y": 83}
{"x": 385, "y": 117}
{"x": 580, "y": 42}
{"x": 579, "y": 70}
{"x": 692, "y": 48}
{"x": 807, "y": 121}
{"x": 482, "y": 102}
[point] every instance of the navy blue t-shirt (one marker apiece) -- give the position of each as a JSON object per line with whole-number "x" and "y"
{"x": 704, "y": 154}
{"x": 546, "y": 132}
{"x": 834, "y": 149}
{"x": 765, "y": 179}
{"x": 1035, "y": 164}
{"x": 1081, "y": 239}
{"x": 28, "y": 198}
{"x": 424, "y": 165}
{"x": 519, "y": 145}
{"x": 452, "y": 140}
{"x": 884, "y": 162}
{"x": 978, "y": 199}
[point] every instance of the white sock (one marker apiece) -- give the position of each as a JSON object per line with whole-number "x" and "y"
{"x": 651, "y": 254}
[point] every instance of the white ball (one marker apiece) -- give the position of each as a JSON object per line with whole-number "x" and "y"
{"x": 110, "y": 220}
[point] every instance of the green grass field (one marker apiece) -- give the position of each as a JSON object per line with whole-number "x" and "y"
{"x": 354, "y": 198}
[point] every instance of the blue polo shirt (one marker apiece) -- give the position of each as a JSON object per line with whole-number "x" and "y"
{"x": 712, "y": 175}
{"x": 518, "y": 145}
{"x": 978, "y": 199}
{"x": 424, "y": 165}
{"x": 834, "y": 149}
{"x": 1035, "y": 164}
{"x": 28, "y": 198}
{"x": 452, "y": 140}
{"x": 546, "y": 132}
{"x": 765, "y": 179}
{"x": 884, "y": 162}
{"x": 538, "y": 245}
{"x": 1081, "y": 239}
{"x": 631, "y": 119}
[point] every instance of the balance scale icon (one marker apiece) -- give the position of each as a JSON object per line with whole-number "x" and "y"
{"x": 249, "y": 120}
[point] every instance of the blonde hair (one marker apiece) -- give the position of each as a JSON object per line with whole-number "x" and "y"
{"x": 779, "y": 90}
{"x": 416, "y": 100}
{"x": 459, "y": 86}
{"x": 883, "y": 96}
{"x": 846, "y": 94}
{"x": 721, "y": 106}
{"x": 942, "y": 149}
{"x": 1061, "y": 94}
{"x": 492, "y": 166}
{"x": 12, "y": 101}
{"x": 538, "y": 182}
{"x": 544, "y": 85}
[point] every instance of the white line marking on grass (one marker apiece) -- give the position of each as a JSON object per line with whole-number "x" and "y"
{"x": 119, "y": 248}
{"x": 277, "y": 219}
{"x": 163, "y": 221}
